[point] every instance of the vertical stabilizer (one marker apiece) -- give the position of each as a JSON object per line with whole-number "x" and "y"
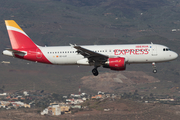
{"x": 19, "y": 39}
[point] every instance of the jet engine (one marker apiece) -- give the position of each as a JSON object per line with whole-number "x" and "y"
{"x": 117, "y": 64}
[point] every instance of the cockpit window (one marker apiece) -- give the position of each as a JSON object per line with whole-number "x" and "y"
{"x": 166, "y": 49}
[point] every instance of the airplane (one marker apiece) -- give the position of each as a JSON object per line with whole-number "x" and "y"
{"x": 114, "y": 57}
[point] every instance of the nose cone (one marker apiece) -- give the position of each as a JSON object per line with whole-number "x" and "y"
{"x": 174, "y": 55}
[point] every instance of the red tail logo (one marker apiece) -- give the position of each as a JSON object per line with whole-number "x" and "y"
{"x": 19, "y": 39}
{"x": 23, "y": 47}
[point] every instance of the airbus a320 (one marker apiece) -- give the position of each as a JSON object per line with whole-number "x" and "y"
{"x": 114, "y": 57}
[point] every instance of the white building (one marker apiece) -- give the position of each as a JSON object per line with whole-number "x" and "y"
{"x": 74, "y": 101}
{"x": 52, "y": 110}
{"x": 3, "y": 94}
{"x": 56, "y": 110}
{"x": 45, "y": 111}
{"x": 25, "y": 93}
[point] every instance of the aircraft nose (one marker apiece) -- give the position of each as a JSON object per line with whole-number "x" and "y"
{"x": 174, "y": 55}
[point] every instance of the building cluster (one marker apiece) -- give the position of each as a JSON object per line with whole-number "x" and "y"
{"x": 71, "y": 102}
{"x": 56, "y": 104}
{"x": 15, "y": 104}
{"x": 20, "y": 99}
{"x": 76, "y": 98}
{"x": 14, "y": 101}
{"x": 56, "y": 109}
{"x": 103, "y": 95}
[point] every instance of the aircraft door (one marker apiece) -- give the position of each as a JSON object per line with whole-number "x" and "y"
{"x": 154, "y": 50}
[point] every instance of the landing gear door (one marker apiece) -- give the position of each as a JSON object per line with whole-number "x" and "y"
{"x": 154, "y": 50}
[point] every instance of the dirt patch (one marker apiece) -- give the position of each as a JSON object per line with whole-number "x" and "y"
{"x": 109, "y": 82}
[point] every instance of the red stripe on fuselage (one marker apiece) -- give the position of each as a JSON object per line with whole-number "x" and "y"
{"x": 33, "y": 54}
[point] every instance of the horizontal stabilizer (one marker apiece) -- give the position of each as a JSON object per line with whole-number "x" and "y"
{"x": 15, "y": 51}
{"x": 11, "y": 52}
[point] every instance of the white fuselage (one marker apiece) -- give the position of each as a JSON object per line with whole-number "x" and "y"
{"x": 133, "y": 53}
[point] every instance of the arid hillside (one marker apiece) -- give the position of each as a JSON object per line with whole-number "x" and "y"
{"x": 126, "y": 81}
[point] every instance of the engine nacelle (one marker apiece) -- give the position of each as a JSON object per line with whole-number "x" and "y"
{"x": 116, "y": 64}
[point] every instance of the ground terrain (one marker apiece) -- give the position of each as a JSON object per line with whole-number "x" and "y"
{"x": 119, "y": 109}
{"x": 60, "y": 22}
